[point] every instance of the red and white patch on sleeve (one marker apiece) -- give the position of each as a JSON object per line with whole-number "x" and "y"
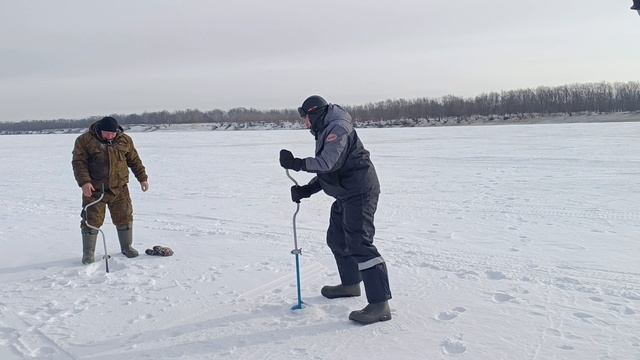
{"x": 331, "y": 137}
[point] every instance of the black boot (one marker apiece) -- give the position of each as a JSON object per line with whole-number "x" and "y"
{"x": 125, "y": 236}
{"x": 89, "y": 238}
{"x": 338, "y": 291}
{"x": 372, "y": 313}
{"x": 636, "y": 5}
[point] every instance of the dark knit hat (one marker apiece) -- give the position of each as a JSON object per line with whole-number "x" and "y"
{"x": 108, "y": 124}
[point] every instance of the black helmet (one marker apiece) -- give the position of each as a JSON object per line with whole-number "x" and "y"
{"x": 312, "y": 105}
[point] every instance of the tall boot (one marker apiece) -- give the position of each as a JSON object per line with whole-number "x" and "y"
{"x": 89, "y": 237}
{"x": 125, "y": 236}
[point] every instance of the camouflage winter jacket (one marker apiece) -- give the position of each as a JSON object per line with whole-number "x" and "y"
{"x": 100, "y": 162}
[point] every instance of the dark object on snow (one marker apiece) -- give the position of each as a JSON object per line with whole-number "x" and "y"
{"x": 636, "y": 5}
{"x": 159, "y": 251}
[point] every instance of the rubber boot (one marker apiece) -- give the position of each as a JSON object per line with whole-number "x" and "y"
{"x": 372, "y": 313}
{"x": 125, "y": 236}
{"x": 89, "y": 238}
{"x": 338, "y": 291}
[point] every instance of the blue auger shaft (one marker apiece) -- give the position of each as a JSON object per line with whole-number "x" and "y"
{"x": 299, "y": 306}
{"x": 296, "y": 251}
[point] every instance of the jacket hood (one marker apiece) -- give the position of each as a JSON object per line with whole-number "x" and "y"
{"x": 333, "y": 113}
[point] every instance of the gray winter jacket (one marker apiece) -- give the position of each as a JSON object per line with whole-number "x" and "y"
{"x": 341, "y": 162}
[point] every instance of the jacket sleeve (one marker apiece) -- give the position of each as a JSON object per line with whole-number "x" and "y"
{"x": 314, "y": 185}
{"x": 134, "y": 162}
{"x": 332, "y": 151}
{"x": 80, "y": 162}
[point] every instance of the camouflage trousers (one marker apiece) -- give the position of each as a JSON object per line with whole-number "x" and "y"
{"x": 120, "y": 208}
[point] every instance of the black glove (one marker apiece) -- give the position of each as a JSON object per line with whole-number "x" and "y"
{"x": 287, "y": 161}
{"x": 300, "y": 192}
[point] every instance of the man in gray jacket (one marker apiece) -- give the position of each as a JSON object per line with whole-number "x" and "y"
{"x": 344, "y": 171}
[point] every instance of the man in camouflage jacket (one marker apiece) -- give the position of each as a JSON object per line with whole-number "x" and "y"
{"x": 102, "y": 157}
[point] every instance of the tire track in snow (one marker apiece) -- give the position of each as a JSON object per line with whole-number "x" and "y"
{"x": 28, "y": 340}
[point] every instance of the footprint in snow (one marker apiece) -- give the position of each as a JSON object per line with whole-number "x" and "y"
{"x": 502, "y": 297}
{"x": 451, "y": 314}
{"x": 628, "y": 311}
{"x": 467, "y": 274}
{"x": 495, "y": 275}
{"x": 583, "y": 316}
{"x": 453, "y": 346}
{"x": 630, "y": 295}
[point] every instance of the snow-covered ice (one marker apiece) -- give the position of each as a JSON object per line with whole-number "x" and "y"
{"x": 502, "y": 242}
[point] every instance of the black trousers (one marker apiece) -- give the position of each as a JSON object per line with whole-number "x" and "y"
{"x": 350, "y": 238}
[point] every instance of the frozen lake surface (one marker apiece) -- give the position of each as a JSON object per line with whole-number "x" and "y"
{"x": 502, "y": 242}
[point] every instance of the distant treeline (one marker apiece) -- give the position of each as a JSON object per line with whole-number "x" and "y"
{"x": 600, "y": 97}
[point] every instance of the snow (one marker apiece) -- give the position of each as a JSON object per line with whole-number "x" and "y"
{"x": 502, "y": 242}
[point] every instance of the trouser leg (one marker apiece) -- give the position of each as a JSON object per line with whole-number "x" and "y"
{"x": 121, "y": 209}
{"x": 121, "y": 212}
{"x": 94, "y": 214}
{"x": 376, "y": 283}
{"x": 358, "y": 215}
{"x": 347, "y": 265}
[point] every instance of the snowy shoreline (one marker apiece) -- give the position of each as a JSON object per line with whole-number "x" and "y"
{"x": 517, "y": 119}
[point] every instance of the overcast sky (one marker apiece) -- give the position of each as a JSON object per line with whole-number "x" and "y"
{"x": 72, "y": 59}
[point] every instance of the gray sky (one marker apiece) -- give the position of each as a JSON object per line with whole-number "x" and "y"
{"x": 71, "y": 59}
